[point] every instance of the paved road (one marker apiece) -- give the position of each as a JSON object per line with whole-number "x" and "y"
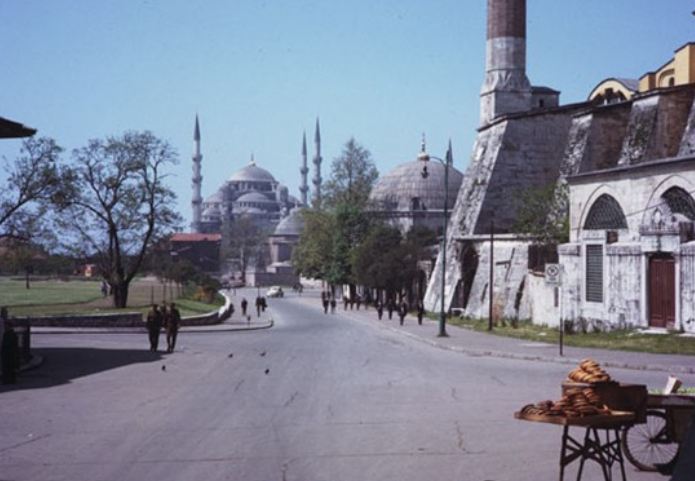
{"x": 315, "y": 398}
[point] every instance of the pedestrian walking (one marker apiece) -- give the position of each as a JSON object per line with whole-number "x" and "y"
{"x": 173, "y": 323}
{"x": 390, "y": 306}
{"x": 345, "y": 303}
{"x": 154, "y": 325}
{"x": 402, "y": 311}
{"x": 10, "y": 354}
{"x": 244, "y": 305}
{"x": 333, "y": 303}
{"x": 352, "y": 303}
{"x": 104, "y": 289}
{"x": 420, "y": 312}
{"x": 259, "y": 306}
{"x": 358, "y": 301}
{"x": 379, "y": 309}
{"x": 325, "y": 302}
{"x": 264, "y": 304}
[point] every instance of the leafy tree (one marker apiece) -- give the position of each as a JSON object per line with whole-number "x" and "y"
{"x": 543, "y": 214}
{"x": 351, "y": 227}
{"x": 121, "y": 205}
{"x": 377, "y": 261}
{"x": 34, "y": 181}
{"x": 242, "y": 241}
{"x": 311, "y": 257}
{"x": 352, "y": 177}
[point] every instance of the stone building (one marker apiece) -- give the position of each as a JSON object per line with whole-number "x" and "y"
{"x": 631, "y": 256}
{"x": 406, "y": 198}
{"x": 626, "y": 159}
{"x": 518, "y": 148}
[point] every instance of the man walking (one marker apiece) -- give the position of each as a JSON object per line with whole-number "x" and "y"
{"x": 333, "y": 303}
{"x": 379, "y": 309}
{"x": 173, "y": 322}
{"x": 325, "y": 301}
{"x": 244, "y": 305}
{"x": 391, "y": 306}
{"x": 154, "y": 325}
{"x": 402, "y": 311}
{"x": 10, "y": 354}
{"x": 420, "y": 312}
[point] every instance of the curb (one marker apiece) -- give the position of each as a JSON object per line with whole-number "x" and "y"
{"x": 142, "y": 330}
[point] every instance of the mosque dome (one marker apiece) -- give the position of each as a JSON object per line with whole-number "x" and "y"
{"x": 215, "y": 198}
{"x": 252, "y": 173}
{"x": 255, "y": 197}
{"x": 405, "y": 189}
{"x": 292, "y": 225}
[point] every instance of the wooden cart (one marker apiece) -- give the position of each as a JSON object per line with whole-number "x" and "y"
{"x": 656, "y": 440}
{"x": 592, "y": 447}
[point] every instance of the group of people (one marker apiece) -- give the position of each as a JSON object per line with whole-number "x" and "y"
{"x": 328, "y": 300}
{"x": 390, "y": 305}
{"x": 168, "y": 318}
{"x": 402, "y": 309}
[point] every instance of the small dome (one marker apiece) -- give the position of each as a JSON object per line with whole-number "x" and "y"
{"x": 252, "y": 173}
{"x": 405, "y": 189}
{"x": 254, "y": 197}
{"x": 217, "y": 197}
{"x": 292, "y": 225}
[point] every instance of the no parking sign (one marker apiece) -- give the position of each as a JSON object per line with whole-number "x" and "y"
{"x": 552, "y": 274}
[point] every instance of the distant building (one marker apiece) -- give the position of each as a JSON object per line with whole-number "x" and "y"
{"x": 201, "y": 250}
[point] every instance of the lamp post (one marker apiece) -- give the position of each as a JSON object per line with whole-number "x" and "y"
{"x": 425, "y": 174}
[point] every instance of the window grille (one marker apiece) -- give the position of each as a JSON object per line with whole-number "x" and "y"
{"x": 606, "y": 213}
{"x": 680, "y": 202}
{"x": 594, "y": 273}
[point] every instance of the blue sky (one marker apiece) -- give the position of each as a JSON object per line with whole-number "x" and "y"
{"x": 259, "y": 72}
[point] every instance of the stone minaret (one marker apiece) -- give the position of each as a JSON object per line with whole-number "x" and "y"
{"x": 506, "y": 88}
{"x": 317, "y": 167}
{"x": 304, "y": 189}
{"x": 197, "y": 201}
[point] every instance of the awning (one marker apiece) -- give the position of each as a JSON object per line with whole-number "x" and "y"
{"x": 13, "y": 130}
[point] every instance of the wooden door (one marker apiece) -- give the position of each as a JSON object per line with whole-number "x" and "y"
{"x": 662, "y": 291}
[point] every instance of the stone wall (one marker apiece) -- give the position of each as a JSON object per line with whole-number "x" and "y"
{"x": 541, "y": 300}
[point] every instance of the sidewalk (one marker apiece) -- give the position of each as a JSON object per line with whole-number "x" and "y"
{"x": 475, "y": 343}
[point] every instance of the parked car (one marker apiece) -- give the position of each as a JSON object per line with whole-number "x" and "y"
{"x": 275, "y": 291}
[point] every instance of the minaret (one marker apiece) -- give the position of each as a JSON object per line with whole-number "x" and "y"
{"x": 317, "y": 168}
{"x": 506, "y": 88}
{"x": 197, "y": 201}
{"x": 304, "y": 189}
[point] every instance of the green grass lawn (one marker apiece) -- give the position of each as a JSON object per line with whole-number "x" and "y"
{"x": 56, "y": 297}
{"x": 631, "y": 340}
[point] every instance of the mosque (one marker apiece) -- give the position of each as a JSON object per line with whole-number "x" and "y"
{"x": 251, "y": 192}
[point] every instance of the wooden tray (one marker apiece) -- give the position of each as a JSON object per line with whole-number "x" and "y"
{"x": 616, "y": 417}
{"x": 670, "y": 401}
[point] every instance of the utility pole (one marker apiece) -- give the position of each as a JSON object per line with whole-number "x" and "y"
{"x": 492, "y": 271}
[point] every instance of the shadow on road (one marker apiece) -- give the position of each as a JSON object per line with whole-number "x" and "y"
{"x": 62, "y": 365}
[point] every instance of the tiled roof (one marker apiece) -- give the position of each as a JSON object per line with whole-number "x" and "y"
{"x": 195, "y": 237}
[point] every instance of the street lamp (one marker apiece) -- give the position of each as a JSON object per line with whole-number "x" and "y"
{"x": 425, "y": 174}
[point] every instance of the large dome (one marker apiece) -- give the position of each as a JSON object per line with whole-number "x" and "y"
{"x": 252, "y": 173}
{"x": 255, "y": 197}
{"x": 405, "y": 189}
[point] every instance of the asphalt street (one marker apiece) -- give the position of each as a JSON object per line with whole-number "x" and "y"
{"x": 317, "y": 397}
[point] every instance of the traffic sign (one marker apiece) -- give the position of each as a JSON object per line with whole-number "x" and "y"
{"x": 552, "y": 274}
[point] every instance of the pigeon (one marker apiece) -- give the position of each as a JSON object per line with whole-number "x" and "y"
{"x": 267, "y": 371}
{"x": 164, "y": 367}
{"x": 231, "y": 355}
{"x": 263, "y": 354}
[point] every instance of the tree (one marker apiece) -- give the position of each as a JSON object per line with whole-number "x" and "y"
{"x": 311, "y": 256}
{"x": 243, "y": 241}
{"x": 34, "y": 181}
{"x": 352, "y": 177}
{"x": 377, "y": 261}
{"x": 121, "y": 205}
{"x": 351, "y": 227}
{"x": 543, "y": 214}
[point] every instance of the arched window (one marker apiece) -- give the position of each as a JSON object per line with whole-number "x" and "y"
{"x": 605, "y": 214}
{"x": 679, "y": 202}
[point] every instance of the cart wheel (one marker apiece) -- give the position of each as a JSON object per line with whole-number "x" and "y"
{"x": 646, "y": 445}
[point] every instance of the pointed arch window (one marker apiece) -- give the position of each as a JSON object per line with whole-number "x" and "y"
{"x": 680, "y": 202}
{"x": 605, "y": 214}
